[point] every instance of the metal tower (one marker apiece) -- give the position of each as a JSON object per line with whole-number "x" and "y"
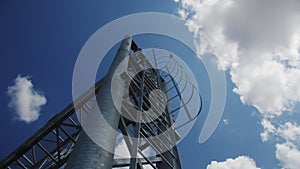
{"x": 154, "y": 90}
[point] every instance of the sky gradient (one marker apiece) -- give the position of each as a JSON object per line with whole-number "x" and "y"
{"x": 40, "y": 42}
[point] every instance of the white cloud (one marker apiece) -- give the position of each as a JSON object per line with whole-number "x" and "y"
{"x": 269, "y": 128}
{"x": 288, "y": 155}
{"x": 226, "y": 121}
{"x": 121, "y": 151}
{"x": 290, "y": 132}
{"x": 259, "y": 43}
{"x": 237, "y": 163}
{"x": 288, "y": 152}
{"x": 254, "y": 42}
{"x": 25, "y": 100}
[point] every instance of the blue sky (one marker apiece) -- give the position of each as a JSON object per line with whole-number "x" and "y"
{"x": 42, "y": 40}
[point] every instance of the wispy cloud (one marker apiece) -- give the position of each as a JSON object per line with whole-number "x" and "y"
{"x": 25, "y": 100}
{"x": 290, "y": 132}
{"x": 269, "y": 129}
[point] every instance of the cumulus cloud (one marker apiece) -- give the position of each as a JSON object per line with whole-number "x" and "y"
{"x": 237, "y": 163}
{"x": 287, "y": 152}
{"x": 258, "y": 42}
{"x": 288, "y": 155}
{"x": 25, "y": 100}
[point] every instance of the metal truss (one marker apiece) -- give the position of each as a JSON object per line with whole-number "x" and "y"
{"x": 143, "y": 77}
{"x": 51, "y": 146}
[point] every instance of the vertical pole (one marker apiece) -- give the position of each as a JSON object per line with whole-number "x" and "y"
{"x": 86, "y": 153}
{"x": 174, "y": 161}
{"x": 135, "y": 146}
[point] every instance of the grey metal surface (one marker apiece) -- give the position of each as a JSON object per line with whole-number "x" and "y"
{"x": 86, "y": 153}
